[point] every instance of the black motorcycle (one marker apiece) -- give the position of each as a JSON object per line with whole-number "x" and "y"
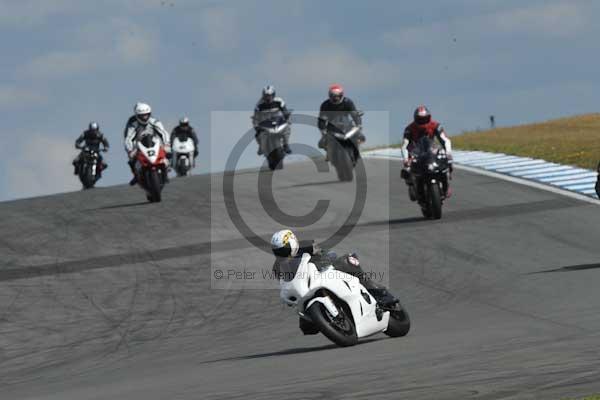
{"x": 428, "y": 177}
{"x": 90, "y": 167}
{"x": 343, "y": 141}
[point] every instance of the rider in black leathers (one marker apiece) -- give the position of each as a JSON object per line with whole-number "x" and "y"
{"x": 331, "y": 108}
{"x": 183, "y": 131}
{"x": 268, "y": 104}
{"x": 91, "y": 138}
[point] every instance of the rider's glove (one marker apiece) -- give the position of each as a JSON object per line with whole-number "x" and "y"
{"x": 132, "y": 153}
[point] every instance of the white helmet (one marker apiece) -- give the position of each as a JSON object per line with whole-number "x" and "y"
{"x": 184, "y": 121}
{"x": 268, "y": 93}
{"x": 142, "y": 112}
{"x": 285, "y": 244}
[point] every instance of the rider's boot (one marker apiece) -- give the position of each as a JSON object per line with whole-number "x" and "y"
{"x": 383, "y": 297}
{"x": 412, "y": 193}
{"x": 447, "y": 192}
{"x": 256, "y": 137}
{"x": 134, "y": 180}
{"x": 287, "y": 149}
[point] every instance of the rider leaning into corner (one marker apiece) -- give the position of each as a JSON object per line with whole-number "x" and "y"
{"x": 91, "y": 138}
{"x": 331, "y": 109}
{"x": 267, "y": 105}
{"x": 288, "y": 253}
{"x": 423, "y": 125}
{"x": 142, "y": 123}
{"x": 183, "y": 131}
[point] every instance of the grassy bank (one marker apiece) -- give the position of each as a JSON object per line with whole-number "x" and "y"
{"x": 571, "y": 141}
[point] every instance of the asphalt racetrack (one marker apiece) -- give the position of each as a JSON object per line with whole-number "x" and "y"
{"x": 104, "y": 296}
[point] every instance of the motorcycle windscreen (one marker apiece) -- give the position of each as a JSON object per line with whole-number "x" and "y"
{"x": 286, "y": 268}
{"x": 269, "y": 120}
{"x": 340, "y": 124}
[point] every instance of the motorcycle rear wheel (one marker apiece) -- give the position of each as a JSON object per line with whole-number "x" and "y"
{"x": 399, "y": 323}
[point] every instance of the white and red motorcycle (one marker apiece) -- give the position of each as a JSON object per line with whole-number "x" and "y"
{"x": 338, "y": 304}
{"x": 183, "y": 156}
{"x": 151, "y": 166}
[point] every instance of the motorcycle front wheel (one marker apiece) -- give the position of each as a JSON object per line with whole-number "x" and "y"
{"x": 154, "y": 186}
{"x": 342, "y": 162}
{"x": 275, "y": 159}
{"x": 86, "y": 177}
{"x": 182, "y": 167}
{"x": 340, "y": 330}
{"x": 435, "y": 200}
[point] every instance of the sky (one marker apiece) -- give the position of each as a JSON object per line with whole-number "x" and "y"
{"x": 67, "y": 62}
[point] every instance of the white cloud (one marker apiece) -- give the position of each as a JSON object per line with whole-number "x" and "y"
{"x": 554, "y": 19}
{"x": 325, "y": 64}
{"x": 546, "y": 20}
{"x": 132, "y": 43}
{"x": 14, "y": 97}
{"x": 41, "y": 166}
{"x": 112, "y": 44}
{"x": 219, "y": 27}
{"x": 24, "y": 13}
{"x": 61, "y": 63}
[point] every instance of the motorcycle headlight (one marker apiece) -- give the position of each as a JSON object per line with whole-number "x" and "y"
{"x": 432, "y": 166}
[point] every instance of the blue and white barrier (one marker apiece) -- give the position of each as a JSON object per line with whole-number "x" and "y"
{"x": 574, "y": 179}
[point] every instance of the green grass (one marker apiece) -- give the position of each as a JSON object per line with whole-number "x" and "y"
{"x": 571, "y": 141}
{"x": 593, "y": 397}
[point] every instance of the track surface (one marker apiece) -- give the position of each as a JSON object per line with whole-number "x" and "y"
{"x": 103, "y": 296}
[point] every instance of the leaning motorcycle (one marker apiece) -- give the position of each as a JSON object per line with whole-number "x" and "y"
{"x": 151, "y": 166}
{"x": 343, "y": 147}
{"x": 271, "y": 132}
{"x": 428, "y": 177}
{"x": 90, "y": 167}
{"x": 183, "y": 156}
{"x": 337, "y": 304}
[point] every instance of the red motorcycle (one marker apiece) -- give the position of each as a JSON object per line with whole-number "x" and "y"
{"x": 151, "y": 166}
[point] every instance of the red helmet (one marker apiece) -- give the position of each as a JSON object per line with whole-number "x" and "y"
{"x": 336, "y": 93}
{"x": 422, "y": 115}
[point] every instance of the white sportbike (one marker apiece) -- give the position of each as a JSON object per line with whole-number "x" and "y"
{"x": 338, "y": 304}
{"x": 183, "y": 156}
